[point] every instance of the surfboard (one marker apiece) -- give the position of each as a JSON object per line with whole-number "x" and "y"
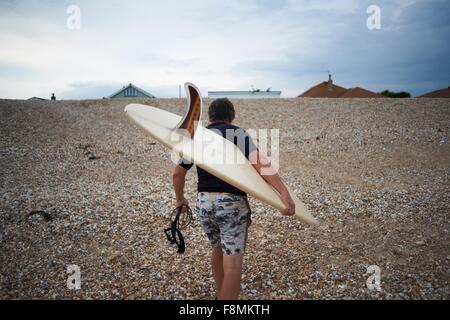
{"x": 209, "y": 150}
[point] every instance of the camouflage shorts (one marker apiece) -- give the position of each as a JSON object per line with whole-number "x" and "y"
{"x": 225, "y": 218}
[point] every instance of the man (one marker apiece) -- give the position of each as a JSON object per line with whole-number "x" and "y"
{"x": 223, "y": 210}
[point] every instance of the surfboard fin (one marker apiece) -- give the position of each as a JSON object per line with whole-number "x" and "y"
{"x": 191, "y": 119}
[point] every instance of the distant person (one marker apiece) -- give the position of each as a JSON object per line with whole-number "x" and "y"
{"x": 223, "y": 210}
{"x": 53, "y": 97}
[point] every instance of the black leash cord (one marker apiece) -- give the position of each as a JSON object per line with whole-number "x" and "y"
{"x": 173, "y": 233}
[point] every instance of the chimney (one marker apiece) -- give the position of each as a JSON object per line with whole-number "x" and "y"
{"x": 330, "y": 83}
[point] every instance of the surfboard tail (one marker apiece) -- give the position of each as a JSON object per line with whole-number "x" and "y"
{"x": 192, "y": 116}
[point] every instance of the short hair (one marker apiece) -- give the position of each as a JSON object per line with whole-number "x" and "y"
{"x": 221, "y": 110}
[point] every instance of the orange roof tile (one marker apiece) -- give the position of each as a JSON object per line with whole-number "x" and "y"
{"x": 443, "y": 93}
{"x": 324, "y": 90}
{"x": 358, "y": 92}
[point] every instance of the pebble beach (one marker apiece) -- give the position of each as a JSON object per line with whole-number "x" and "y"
{"x": 81, "y": 185}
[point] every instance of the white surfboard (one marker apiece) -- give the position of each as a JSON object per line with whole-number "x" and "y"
{"x": 208, "y": 150}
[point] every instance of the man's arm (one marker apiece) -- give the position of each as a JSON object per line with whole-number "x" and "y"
{"x": 178, "y": 179}
{"x": 260, "y": 162}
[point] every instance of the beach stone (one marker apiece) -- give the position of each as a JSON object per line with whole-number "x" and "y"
{"x": 375, "y": 172}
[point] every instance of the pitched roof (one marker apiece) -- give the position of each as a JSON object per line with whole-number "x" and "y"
{"x": 149, "y": 95}
{"x": 328, "y": 89}
{"x": 324, "y": 90}
{"x": 443, "y": 93}
{"x": 358, "y": 92}
{"x": 37, "y": 99}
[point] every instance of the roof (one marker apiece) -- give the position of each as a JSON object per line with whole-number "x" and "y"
{"x": 358, "y": 92}
{"x": 442, "y": 93}
{"x": 246, "y": 92}
{"x": 37, "y": 98}
{"x": 322, "y": 91}
{"x": 328, "y": 89}
{"x": 132, "y": 86}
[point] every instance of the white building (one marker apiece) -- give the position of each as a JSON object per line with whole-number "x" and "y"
{"x": 244, "y": 94}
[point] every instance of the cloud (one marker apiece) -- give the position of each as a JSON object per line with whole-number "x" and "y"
{"x": 287, "y": 45}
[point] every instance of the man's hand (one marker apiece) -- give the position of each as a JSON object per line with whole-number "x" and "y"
{"x": 289, "y": 203}
{"x": 274, "y": 180}
{"x": 183, "y": 203}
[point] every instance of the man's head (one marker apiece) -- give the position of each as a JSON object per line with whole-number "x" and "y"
{"x": 221, "y": 110}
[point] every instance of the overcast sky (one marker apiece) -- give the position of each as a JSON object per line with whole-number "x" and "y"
{"x": 220, "y": 45}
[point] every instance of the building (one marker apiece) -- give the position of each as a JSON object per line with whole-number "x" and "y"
{"x": 443, "y": 93}
{"x": 254, "y": 94}
{"x": 358, "y": 92}
{"x": 130, "y": 92}
{"x": 328, "y": 89}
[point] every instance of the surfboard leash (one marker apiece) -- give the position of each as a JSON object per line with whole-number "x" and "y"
{"x": 179, "y": 220}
